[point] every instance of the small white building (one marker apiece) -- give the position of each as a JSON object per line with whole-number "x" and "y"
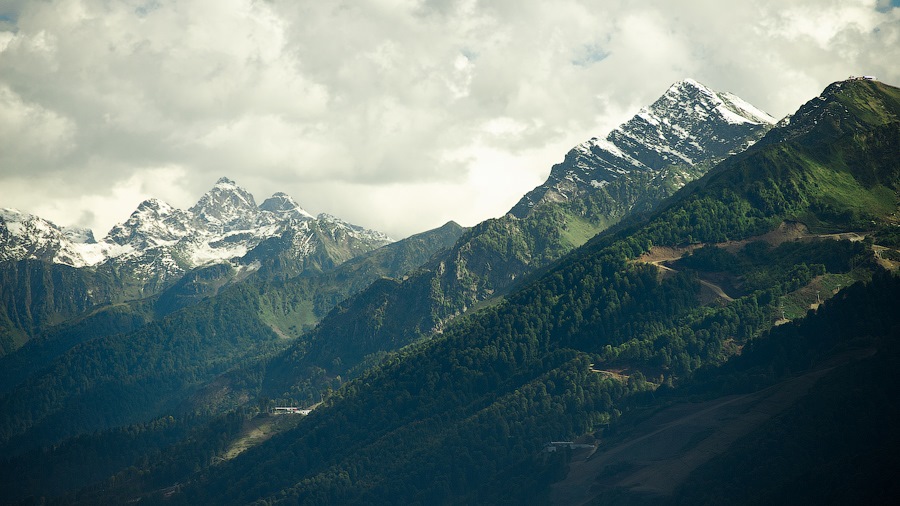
{"x": 292, "y": 410}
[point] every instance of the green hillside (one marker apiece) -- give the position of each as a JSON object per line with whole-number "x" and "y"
{"x": 489, "y": 260}
{"x": 811, "y": 172}
{"x": 463, "y": 418}
{"x": 35, "y": 296}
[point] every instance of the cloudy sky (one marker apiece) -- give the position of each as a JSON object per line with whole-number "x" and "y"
{"x": 394, "y": 114}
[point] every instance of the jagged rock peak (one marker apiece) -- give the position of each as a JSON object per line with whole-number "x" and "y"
{"x": 225, "y": 205}
{"x": 282, "y": 204}
{"x": 225, "y": 192}
{"x": 336, "y": 224}
{"x": 153, "y": 205}
{"x": 732, "y": 108}
{"x": 686, "y": 130}
{"x": 79, "y": 235}
{"x": 154, "y": 222}
{"x": 691, "y": 104}
{"x": 688, "y": 124}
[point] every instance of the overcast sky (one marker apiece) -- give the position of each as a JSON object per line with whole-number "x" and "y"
{"x": 396, "y": 115}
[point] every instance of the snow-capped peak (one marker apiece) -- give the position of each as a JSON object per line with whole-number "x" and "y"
{"x": 282, "y": 204}
{"x": 153, "y": 223}
{"x": 158, "y": 242}
{"x": 728, "y": 106}
{"x": 79, "y": 235}
{"x": 225, "y": 207}
{"x": 690, "y": 125}
{"x": 26, "y": 236}
{"x": 153, "y": 207}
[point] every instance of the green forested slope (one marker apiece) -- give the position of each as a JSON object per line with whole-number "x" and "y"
{"x": 463, "y": 418}
{"x": 36, "y": 295}
{"x": 832, "y": 444}
{"x": 487, "y": 262}
{"x": 121, "y": 379}
{"x": 833, "y": 167}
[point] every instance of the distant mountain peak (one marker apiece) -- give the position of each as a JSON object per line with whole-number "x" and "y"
{"x": 226, "y": 206}
{"x": 159, "y": 243}
{"x": 24, "y": 235}
{"x": 689, "y": 126}
{"x": 282, "y": 204}
{"x": 154, "y": 205}
{"x": 79, "y": 235}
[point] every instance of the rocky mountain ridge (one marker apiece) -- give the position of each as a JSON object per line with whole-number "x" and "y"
{"x": 158, "y": 242}
{"x": 689, "y": 127}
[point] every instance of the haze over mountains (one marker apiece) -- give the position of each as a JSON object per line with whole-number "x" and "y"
{"x": 441, "y": 366}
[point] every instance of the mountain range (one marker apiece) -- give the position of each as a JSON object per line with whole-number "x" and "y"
{"x": 159, "y": 245}
{"x": 159, "y": 242}
{"x": 472, "y": 365}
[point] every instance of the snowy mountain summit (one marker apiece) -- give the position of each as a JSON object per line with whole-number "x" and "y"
{"x": 159, "y": 243}
{"x": 24, "y": 235}
{"x": 683, "y": 133}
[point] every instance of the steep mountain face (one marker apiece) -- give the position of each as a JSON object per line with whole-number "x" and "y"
{"x": 663, "y": 146}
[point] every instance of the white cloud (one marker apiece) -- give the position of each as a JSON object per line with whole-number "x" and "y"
{"x": 395, "y": 114}
{"x": 31, "y": 135}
